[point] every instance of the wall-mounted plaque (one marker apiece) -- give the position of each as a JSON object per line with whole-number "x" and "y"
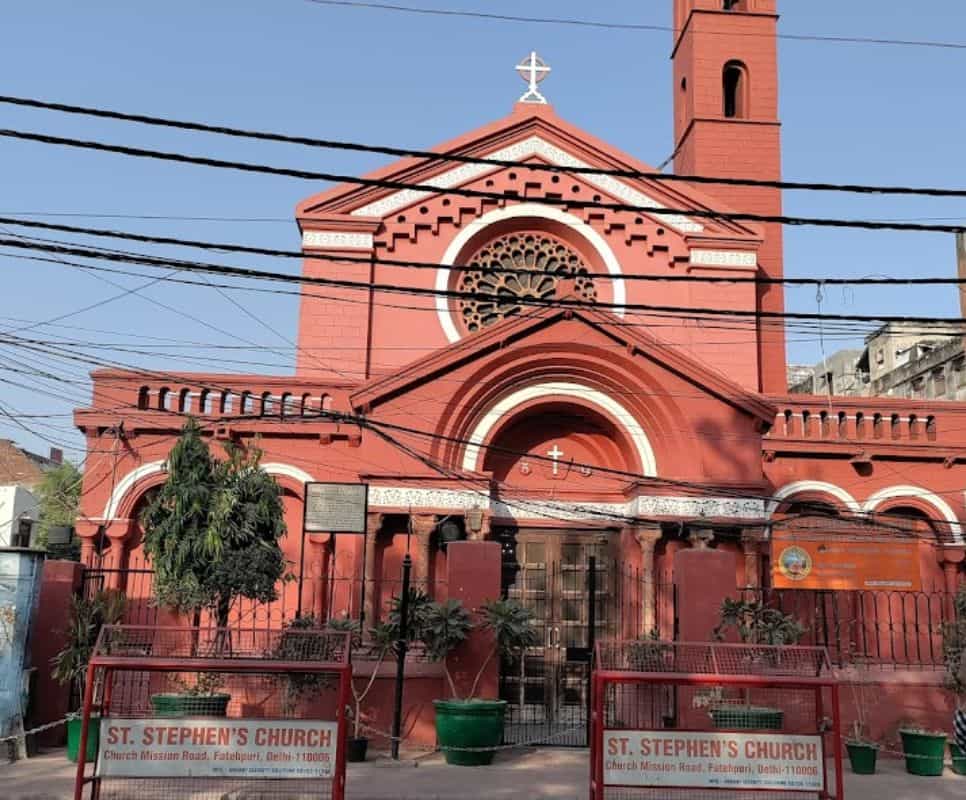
{"x": 336, "y": 507}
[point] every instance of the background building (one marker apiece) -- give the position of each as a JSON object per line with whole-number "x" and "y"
{"x": 20, "y": 472}
{"x": 901, "y": 359}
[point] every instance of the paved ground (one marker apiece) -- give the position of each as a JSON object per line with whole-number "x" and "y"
{"x": 528, "y": 775}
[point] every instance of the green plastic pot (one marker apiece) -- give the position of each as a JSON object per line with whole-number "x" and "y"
{"x": 862, "y": 757}
{"x": 188, "y": 705}
{"x": 747, "y": 718}
{"x": 74, "y": 727}
{"x": 469, "y": 723}
{"x": 959, "y": 759}
{"x": 924, "y": 752}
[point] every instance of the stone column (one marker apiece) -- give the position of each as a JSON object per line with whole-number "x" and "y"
{"x": 751, "y": 543}
{"x": 647, "y": 538}
{"x": 87, "y": 531}
{"x": 373, "y": 525}
{"x": 423, "y": 526}
{"x": 321, "y": 550}
{"x": 951, "y": 557}
{"x": 117, "y": 532}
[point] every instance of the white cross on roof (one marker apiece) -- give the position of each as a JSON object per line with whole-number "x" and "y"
{"x": 533, "y": 70}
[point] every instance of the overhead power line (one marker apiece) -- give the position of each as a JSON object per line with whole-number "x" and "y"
{"x": 691, "y": 487}
{"x": 844, "y": 330}
{"x": 385, "y": 183}
{"x": 431, "y": 155}
{"x": 230, "y": 247}
{"x": 630, "y": 26}
{"x": 245, "y": 272}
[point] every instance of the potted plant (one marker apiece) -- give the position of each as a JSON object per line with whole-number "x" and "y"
{"x": 84, "y": 622}
{"x": 464, "y": 724}
{"x": 923, "y": 749}
{"x": 954, "y": 657}
{"x": 212, "y": 534}
{"x": 755, "y": 624}
{"x": 862, "y": 751}
{"x": 371, "y": 652}
{"x": 196, "y": 697}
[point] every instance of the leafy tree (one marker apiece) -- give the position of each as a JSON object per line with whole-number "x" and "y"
{"x": 59, "y": 494}
{"x": 212, "y": 530}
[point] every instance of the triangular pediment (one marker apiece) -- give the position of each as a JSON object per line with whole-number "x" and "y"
{"x": 519, "y": 332}
{"x": 530, "y": 133}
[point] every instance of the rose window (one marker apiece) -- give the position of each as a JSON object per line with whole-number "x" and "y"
{"x": 514, "y": 268}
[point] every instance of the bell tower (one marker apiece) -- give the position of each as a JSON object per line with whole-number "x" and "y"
{"x": 726, "y": 124}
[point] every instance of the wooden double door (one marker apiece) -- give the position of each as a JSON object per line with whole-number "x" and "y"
{"x": 549, "y": 571}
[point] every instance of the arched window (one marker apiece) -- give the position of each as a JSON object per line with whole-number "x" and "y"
{"x": 184, "y": 401}
{"x": 810, "y": 508}
{"x": 268, "y": 405}
{"x": 306, "y": 403}
{"x": 144, "y": 398}
{"x": 288, "y": 408}
{"x": 226, "y": 402}
{"x": 915, "y": 518}
{"x": 164, "y": 399}
{"x": 734, "y": 81}
{"x": 729, "y": 5}
{"x": 207, "y": 401}
{"x": 247, "y": 403}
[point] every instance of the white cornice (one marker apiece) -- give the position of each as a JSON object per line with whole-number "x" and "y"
{"x": 402, "y": 497}
{"x": 723, "y": 258}
{"x": 526, "y": 148}
{"x": 337, "y": 240}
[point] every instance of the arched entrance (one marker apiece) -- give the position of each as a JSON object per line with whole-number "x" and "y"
{"x": 545, "y": 456}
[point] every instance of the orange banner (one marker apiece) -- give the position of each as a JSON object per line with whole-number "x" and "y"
{"x": 822, "y": 562}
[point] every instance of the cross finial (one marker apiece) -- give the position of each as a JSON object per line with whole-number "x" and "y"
{"x": 533, "y": 70}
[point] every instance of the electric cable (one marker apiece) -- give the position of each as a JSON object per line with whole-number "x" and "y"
{"x": 431, "y": 189}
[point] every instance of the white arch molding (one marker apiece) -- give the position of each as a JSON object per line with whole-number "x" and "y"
{"x": 127, "y": 483}
{"x": 917, "y": 493}
{"x": 577, "y": 225}
{"x": 800, "y": 487}
{"x": 625, "y": 419}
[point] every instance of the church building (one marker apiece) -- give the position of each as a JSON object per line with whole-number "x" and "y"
{"x": 526, "y": 352}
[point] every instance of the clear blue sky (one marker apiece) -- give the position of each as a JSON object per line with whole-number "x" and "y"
{"x": 852, "y": 113}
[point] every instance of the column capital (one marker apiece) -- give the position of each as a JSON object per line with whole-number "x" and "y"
{"x": 119, "y": 529}
{"x": 115, "y": 529}
{"x": 701, "y": 537}
{"x": 751, "y": 538}
{"x": 647, "y": 536}
{"x": 951, "y": 554}
{"x": 423, "y": 524}
{"x": 374, "y": 520}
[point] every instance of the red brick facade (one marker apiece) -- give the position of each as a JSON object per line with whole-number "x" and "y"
{"x": 666, "y": 424}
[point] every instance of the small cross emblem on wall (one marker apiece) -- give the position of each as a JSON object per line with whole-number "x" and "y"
{"x": 555, "y": 453}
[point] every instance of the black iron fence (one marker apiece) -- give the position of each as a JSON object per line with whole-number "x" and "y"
{"x": 883, "y": 628}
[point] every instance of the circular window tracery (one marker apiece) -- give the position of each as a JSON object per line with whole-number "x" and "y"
{"x": 515, "y": 267}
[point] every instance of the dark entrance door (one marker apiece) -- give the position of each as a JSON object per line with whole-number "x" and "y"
{"x": 547, "y": 689}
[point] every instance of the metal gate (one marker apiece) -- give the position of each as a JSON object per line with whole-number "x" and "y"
{"x": 567, "y": 582}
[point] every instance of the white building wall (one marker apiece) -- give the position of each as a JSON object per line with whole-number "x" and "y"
{"x": 14, "y": 502}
